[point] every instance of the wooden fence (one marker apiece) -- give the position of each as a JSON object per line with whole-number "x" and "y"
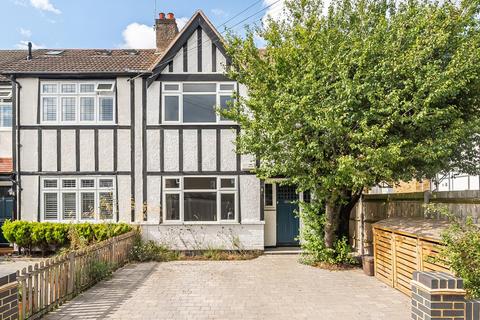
{"x": 48, "y": 284}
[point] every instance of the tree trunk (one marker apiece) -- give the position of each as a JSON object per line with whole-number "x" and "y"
{"x": 344, "y": 216}
{"x": 331, "y": 223}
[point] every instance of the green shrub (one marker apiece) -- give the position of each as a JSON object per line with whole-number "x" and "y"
{"x": 462, "y": 253}
{"x": 313, "y": 243}
{"x": 143, "y": 251}
{"x": 27, "y": 234}
{"x": 99, "y": 270}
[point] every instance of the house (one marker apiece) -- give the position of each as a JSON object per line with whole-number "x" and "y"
{"x": 132, "y": 135}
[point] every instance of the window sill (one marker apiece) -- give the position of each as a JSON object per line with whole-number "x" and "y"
{"x": 5, "y": 129}
{"x": 212, "y": 223}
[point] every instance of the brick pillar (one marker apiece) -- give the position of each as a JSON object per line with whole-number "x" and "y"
{"x": 9, "y": 297}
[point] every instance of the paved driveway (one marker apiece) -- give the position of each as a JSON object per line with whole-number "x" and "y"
{"x": 270, "y": 287}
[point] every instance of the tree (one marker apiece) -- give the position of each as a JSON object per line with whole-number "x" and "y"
{"x": 362, "y": 92}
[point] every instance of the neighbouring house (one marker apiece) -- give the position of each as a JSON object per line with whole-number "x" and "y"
{"x": 132, "y": 135}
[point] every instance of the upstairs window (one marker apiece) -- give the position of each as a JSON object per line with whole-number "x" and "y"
{"x": 77, "y": 102}
{"x": 195, "y": 103}
{"x": 5, "y": 115}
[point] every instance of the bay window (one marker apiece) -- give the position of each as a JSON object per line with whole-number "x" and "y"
{"x": 73, "y": 102}
{"x": 194, "y": 103}
{"x": 72, "y": 198}
{"x": 200, "y": 199}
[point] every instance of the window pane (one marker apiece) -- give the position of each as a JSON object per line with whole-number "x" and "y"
{"x": 200, "y": 87}
{"x": 87, "y": 205}
{"x": 226, "y": 103}
{"x": 106, "y": 183}
{"x": 6, "y": 116}
{"x": 88, "y": 183}
{"x": 227, "y": 183}
{"x": 69, "y": 88}
{"x": 49, "y": 183}
{"x": 87, "y": 109}
{"x": 171, "y": 108}
{"x": 227, "y": 204}
{"x": 306, "y": 196}
{"x": 268, "y": 194}
{"x": 172, "y": 183}
{"x": 49, "y": 88}
{"x": 200, "y": 206}
{"x": 68, "y": 109}
{"x": 106, "y": 109}
{"x": 171, "y": 87}
{"x": 49, "y": 109}
{"x": 200, "y": 183}
{"x": 227, "y": 87}
{"x": 172, "y": 206}
{"x": 87, "y": 88}
{"x": 69, "y": 205}
{"x": 69, "y": 183}
{"x": 106, "y": 205}
{"x": 199, "y": 108}
{"x": 105, "y": 86}
{"x": 50, "y": 206}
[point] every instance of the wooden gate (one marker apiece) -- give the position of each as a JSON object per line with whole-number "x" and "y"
{"x": 404, "y": 245}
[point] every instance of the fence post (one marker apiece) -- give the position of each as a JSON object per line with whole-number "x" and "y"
{"x": 71, "y": 272}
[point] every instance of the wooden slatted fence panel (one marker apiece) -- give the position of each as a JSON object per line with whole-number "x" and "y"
{"x": 47, "y": 285}
{"x": 397, "y": 256}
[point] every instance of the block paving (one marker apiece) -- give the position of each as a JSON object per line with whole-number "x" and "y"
{"x": 270, "y": 287}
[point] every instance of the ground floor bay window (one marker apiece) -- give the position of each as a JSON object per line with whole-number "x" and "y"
{"x": 200, "y": 199}
{"x": 78, "y": 198}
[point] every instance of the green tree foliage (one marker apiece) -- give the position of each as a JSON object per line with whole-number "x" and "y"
{"x": 364, "y": 91}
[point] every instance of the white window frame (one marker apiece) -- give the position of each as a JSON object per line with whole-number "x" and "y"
{"x": 218, "y": 190}
{"x": 5, "y": 105}
{"x": 96, "y": 94}
{"x": 78, "y": 190}
{"x": 180, "y": 94}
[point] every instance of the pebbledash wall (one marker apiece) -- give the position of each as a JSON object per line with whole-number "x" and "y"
{"x": 139, "y": 150}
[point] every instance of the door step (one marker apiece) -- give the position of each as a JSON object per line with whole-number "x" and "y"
{"x": 282, "y": 250}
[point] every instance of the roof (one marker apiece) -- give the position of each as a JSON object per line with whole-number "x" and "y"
{"x": 8, "y": 56}
{"x": 6, "y": 165}
{"x": 430, "y": 229}
{"x": 57, "y": 61}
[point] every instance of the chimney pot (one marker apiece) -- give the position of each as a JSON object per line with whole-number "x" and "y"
{"x": 161, "y": 15}
{"x": 170, "y": 16}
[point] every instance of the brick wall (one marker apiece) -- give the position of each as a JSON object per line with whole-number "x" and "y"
{"x": 9, "y": 297}
{"x": 437, "y": 295}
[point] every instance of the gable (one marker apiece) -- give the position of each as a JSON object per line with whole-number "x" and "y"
{"x": 198, "y": 48}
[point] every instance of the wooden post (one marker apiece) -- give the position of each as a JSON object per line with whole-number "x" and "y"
{"x": 71, "y": 273}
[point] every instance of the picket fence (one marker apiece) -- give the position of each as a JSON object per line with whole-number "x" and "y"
{"x": 47, "y": 284}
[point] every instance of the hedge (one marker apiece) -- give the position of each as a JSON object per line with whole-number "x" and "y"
{"x": 48, "y": 235}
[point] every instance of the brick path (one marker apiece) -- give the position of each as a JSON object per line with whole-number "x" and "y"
{"x": 270, "y": 287}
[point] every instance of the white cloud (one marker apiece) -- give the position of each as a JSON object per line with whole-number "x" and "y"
{"x": 138, "y": 36}
{"x": 24, "y": 45}
{"x": 219, "y": 12}
{"x": 181, "y": 22}
{"x": 275, "y": 9}
{"x": 44, "y": 5}
{"x": 141, "y": 36}
{"x": 25, "y": 33}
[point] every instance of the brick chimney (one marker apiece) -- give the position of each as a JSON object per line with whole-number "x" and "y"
{"x": 166, "y": 29}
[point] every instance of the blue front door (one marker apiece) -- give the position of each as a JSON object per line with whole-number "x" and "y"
{"x": 287, "y": 220}
{"x": 6, "y": 212}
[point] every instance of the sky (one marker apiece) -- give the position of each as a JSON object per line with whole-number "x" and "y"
{"x": 114, "y": 23}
